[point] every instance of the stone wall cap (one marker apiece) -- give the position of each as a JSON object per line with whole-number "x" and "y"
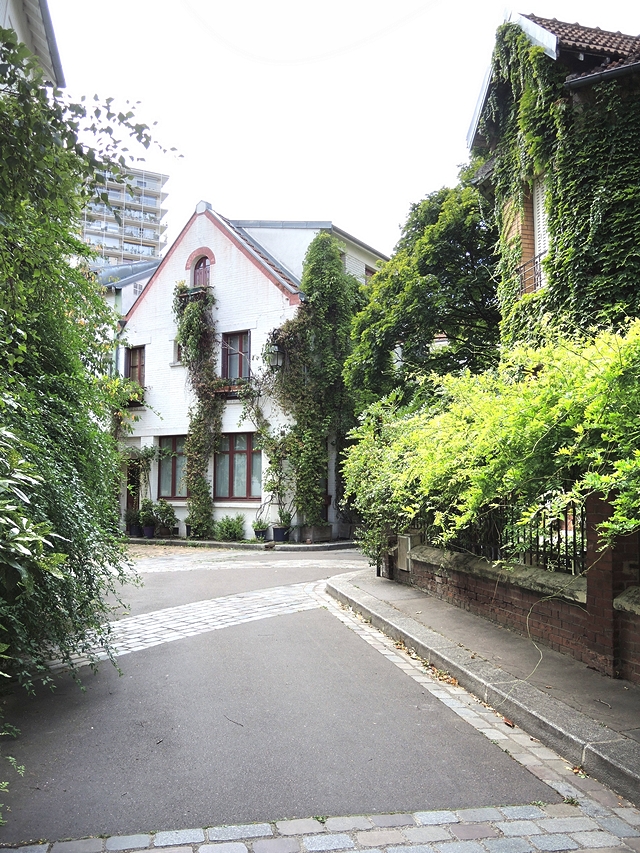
{"x": 564, "y": 585}
{"x": 629, "y": 600}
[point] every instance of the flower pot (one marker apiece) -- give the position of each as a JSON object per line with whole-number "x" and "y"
{"x": 260, "y": 533}
{"x": 148, "y": 531}
{"x": 280, "y": 534}
{"x": 135, "y": 530}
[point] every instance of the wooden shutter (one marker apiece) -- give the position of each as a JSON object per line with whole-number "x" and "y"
{"x": 540, "y": 230}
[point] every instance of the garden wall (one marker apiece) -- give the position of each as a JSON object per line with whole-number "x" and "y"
{"x": 594, "y": 617}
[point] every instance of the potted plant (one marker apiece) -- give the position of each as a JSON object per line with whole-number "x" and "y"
{"x": 260, "y": 527}
{"x": 148, "y": 518}
{"x": 132, "y": 521}
{"x": 166, "y": 518}
{"x": 281, "y": 529}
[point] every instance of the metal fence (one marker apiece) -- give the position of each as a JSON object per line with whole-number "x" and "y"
{"x": 556, "y": 542}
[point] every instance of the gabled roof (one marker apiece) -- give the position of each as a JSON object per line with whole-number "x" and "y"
{"x": 287, "y": 278}
{"x": 282, "y": 278}
{"x": 316, "y": 225}
{"x": 237, "y": 231}
{"x": 605, "y": 54}
{"x": 588, "y": 39}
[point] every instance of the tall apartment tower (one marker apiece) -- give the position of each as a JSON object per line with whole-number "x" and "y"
{"x": 140, "y": 233}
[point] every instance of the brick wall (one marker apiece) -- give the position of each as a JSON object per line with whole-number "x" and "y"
{"x": 628, "y": 625}
{"x": 520, "y": 223}
{"x": 562, "y": 625}
{"x": 596, "y": 633}
{"x": 526, "y": 229}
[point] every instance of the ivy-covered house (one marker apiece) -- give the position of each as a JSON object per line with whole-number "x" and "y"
{"x": 557, "y": 127}
{"x": 555, "y": 144}
{"x": 209, "y": 343}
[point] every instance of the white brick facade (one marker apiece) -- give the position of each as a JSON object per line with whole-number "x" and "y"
{"x": 254, "y": 292}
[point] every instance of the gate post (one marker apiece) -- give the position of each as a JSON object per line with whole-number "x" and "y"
{"x": 608, "y": 573}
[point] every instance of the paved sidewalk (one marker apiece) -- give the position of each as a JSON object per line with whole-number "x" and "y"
{"x": 591, "y": 720}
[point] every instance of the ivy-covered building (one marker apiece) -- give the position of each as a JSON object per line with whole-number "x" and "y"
{"x": 200, "y": 340}
{"x": 556, "y": 130}
{"x": 555, "y": 144}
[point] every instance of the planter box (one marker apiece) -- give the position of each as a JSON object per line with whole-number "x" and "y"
{"x": 315, "y": 533}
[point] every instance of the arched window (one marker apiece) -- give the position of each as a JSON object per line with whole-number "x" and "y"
{"x": 201, "y": 272}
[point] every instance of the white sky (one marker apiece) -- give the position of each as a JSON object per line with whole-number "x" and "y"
{"x": 346, "y": 110}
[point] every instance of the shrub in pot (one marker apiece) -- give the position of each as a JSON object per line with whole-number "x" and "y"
{"x": 166, "y": 518}
{"x": 281, "y": 529}
{"x": 132, "y": 521}
{"x": 148, "y": 518}
{"x": 260, "y": 526}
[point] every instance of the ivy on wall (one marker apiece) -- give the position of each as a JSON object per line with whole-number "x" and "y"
{"x": 196, "y": 335}
{"x": 309, "y": 387}
{"x": 584, "y": 143}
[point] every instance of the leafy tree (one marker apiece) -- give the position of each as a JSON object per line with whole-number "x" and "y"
{"x": 60, "y": 547}
{"x": 439, "y": 282}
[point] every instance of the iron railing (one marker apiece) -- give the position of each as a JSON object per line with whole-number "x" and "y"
{"x": 531, "y": 274}
{"x": 554, "y": 541}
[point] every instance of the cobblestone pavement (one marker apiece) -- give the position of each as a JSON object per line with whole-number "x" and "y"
{"x": 592, "y": 818}
{"x": 175, "y": 623}
{"x": 598, "y": 823}
{"x": 169, "y": 558}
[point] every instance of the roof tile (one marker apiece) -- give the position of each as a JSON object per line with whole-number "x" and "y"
{"x": 589, "y": 39}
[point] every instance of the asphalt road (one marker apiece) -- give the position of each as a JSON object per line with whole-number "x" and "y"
{"x": 267, "y": 716}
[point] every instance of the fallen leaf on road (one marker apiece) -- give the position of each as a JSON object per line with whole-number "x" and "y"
{"x": 508, "y": 723}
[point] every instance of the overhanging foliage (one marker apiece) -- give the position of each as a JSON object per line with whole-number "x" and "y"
{"x": 550, "y": 425}
{"x": 60, "y": 546}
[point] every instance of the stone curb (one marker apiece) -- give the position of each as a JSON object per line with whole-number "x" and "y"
{"x": 606, "y": 755}
{"x": 505, "y": 829}
{"x": 343, "y": 545}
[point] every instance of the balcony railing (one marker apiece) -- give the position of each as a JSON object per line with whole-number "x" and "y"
{"x": 531, "y": 274}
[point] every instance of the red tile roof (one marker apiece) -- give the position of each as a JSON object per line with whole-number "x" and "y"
{"x": 589, "y": 39}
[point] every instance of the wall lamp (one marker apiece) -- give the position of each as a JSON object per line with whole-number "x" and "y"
{"x": 275, "y": 357}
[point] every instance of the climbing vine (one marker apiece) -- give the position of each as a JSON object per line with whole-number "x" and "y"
{"x": 196, "y": 335}
{"x": 309, "y": 387}
{"x": 584, "y": 144}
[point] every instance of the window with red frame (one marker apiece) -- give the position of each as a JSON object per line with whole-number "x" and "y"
{"x": 134, "y": 364}
{"x": 202, "y": 272}
{"x": 236, "y": 355}
{"x": 238, "y": 467}
{"x": 171, "y": 467}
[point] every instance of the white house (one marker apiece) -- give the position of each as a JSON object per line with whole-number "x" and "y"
{"x": 254, "y": 268}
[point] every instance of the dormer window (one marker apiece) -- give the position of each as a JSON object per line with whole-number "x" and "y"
{"x": 201, "y": 272}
